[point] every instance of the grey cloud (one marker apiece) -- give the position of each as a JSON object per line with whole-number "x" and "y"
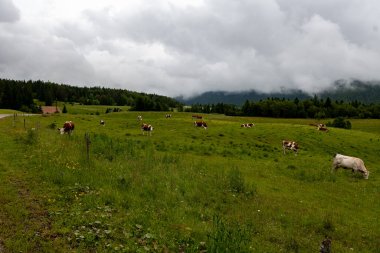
{"x": 27, "y": 56}
{"x": 8, "y": 11}
{"x": 78, "y": 33}
{"x": 264, "y": 45}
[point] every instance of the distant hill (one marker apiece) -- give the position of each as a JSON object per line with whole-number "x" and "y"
{"x": 366, "y": 92}
{"x": 21, "y": 95}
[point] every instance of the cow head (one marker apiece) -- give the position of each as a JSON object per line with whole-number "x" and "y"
{"x": 366, "y": 174}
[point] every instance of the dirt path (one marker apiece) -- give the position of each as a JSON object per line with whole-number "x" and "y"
{"x": 20, "y": 114}
{"x": 4, "y": 115}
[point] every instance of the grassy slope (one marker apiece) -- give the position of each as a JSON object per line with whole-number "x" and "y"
{"x": 8, "y": 111}
{"x": 226, "y": 186}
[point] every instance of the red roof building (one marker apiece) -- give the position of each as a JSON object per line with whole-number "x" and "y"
{"x": 50, "y": 109}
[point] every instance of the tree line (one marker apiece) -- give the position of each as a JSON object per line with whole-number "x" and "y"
{"x": 286, "y": 108}
{"x": 21, "y": 95}
{"x": 366, "y": 92}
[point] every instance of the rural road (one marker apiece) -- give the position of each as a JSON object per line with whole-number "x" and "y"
{"x": 6, "y": 115}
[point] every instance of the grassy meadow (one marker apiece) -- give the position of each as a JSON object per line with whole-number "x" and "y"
{"x": 184, "y": 189}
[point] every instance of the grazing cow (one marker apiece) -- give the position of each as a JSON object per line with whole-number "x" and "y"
{"x": 291, "y": 145}
{"x": 139, "y": 117}
{"x": 200, "y": 124}
{"x": 196, "y": 116}
{"x": 322, "y": 127}
{"x": 68, "y": 128}
{"x": 102, "y": 122}
{"x": 349, "y": 162}
{"x": 247, "y": 125}
{"x": 168, "y": 116}
{"x": 147, "y": 128}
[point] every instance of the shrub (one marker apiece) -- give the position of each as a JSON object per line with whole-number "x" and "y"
{"x": 340, "y": 122}
{"x": 238, "y": 185}
{"x": 30, "y": 138}
{"x": 52, "y": 125}
{"x": 228, "y": 237}
{"x": 236, "y": 181}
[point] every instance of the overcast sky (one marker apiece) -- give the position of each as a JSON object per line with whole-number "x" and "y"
{"x": 186, "y": 47}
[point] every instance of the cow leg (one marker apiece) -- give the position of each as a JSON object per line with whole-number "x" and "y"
{"x": 334, "y": 167}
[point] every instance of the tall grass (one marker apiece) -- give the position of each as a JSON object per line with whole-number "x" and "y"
{"x": 184, "y": 189}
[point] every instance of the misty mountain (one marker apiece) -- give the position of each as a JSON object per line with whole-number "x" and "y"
{"x": 238, "y": 98}
{"x": 365, "y": 92}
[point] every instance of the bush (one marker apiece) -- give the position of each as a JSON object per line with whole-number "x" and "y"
{"x": 52, "y": 125}
{"x": 236, "y": 181}
{"x": 31, "y": 137}
{"x": 238, "y": 185}
{"x": 228, "y": 237}
{"x": 340, "y": 122}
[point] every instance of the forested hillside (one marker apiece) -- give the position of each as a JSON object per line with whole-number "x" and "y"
{"x": 365, "y": 92}
{"x": 286, "y": 108}
{"x": 19, "y": 95}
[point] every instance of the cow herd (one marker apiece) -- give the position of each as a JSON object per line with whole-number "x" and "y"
{"x": 339, "y": 161}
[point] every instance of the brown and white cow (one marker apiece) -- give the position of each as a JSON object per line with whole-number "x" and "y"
{"x": 68, "y": 128}
{"x": 291, "y": 145}
{"x": 247, "y": 125}
{"x": 200, "y": 124}
{"x": 350, "y": 162}
{"x": 147, "y": 128}
{"x": 322, "y": 127}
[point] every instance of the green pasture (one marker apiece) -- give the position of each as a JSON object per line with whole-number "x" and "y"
{"x": 8, "y": 111}
{"x": 75, "y": 108}
{"x": 184, "y": 189}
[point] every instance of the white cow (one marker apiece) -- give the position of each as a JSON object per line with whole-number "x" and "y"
{"x": 349, "y": 162}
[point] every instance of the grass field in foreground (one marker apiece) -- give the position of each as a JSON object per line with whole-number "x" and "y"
{"x": 224, "y": 189}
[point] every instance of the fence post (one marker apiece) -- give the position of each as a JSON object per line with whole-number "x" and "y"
{"x": 14, "y": 119}
{"x": 88, "y": 142}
